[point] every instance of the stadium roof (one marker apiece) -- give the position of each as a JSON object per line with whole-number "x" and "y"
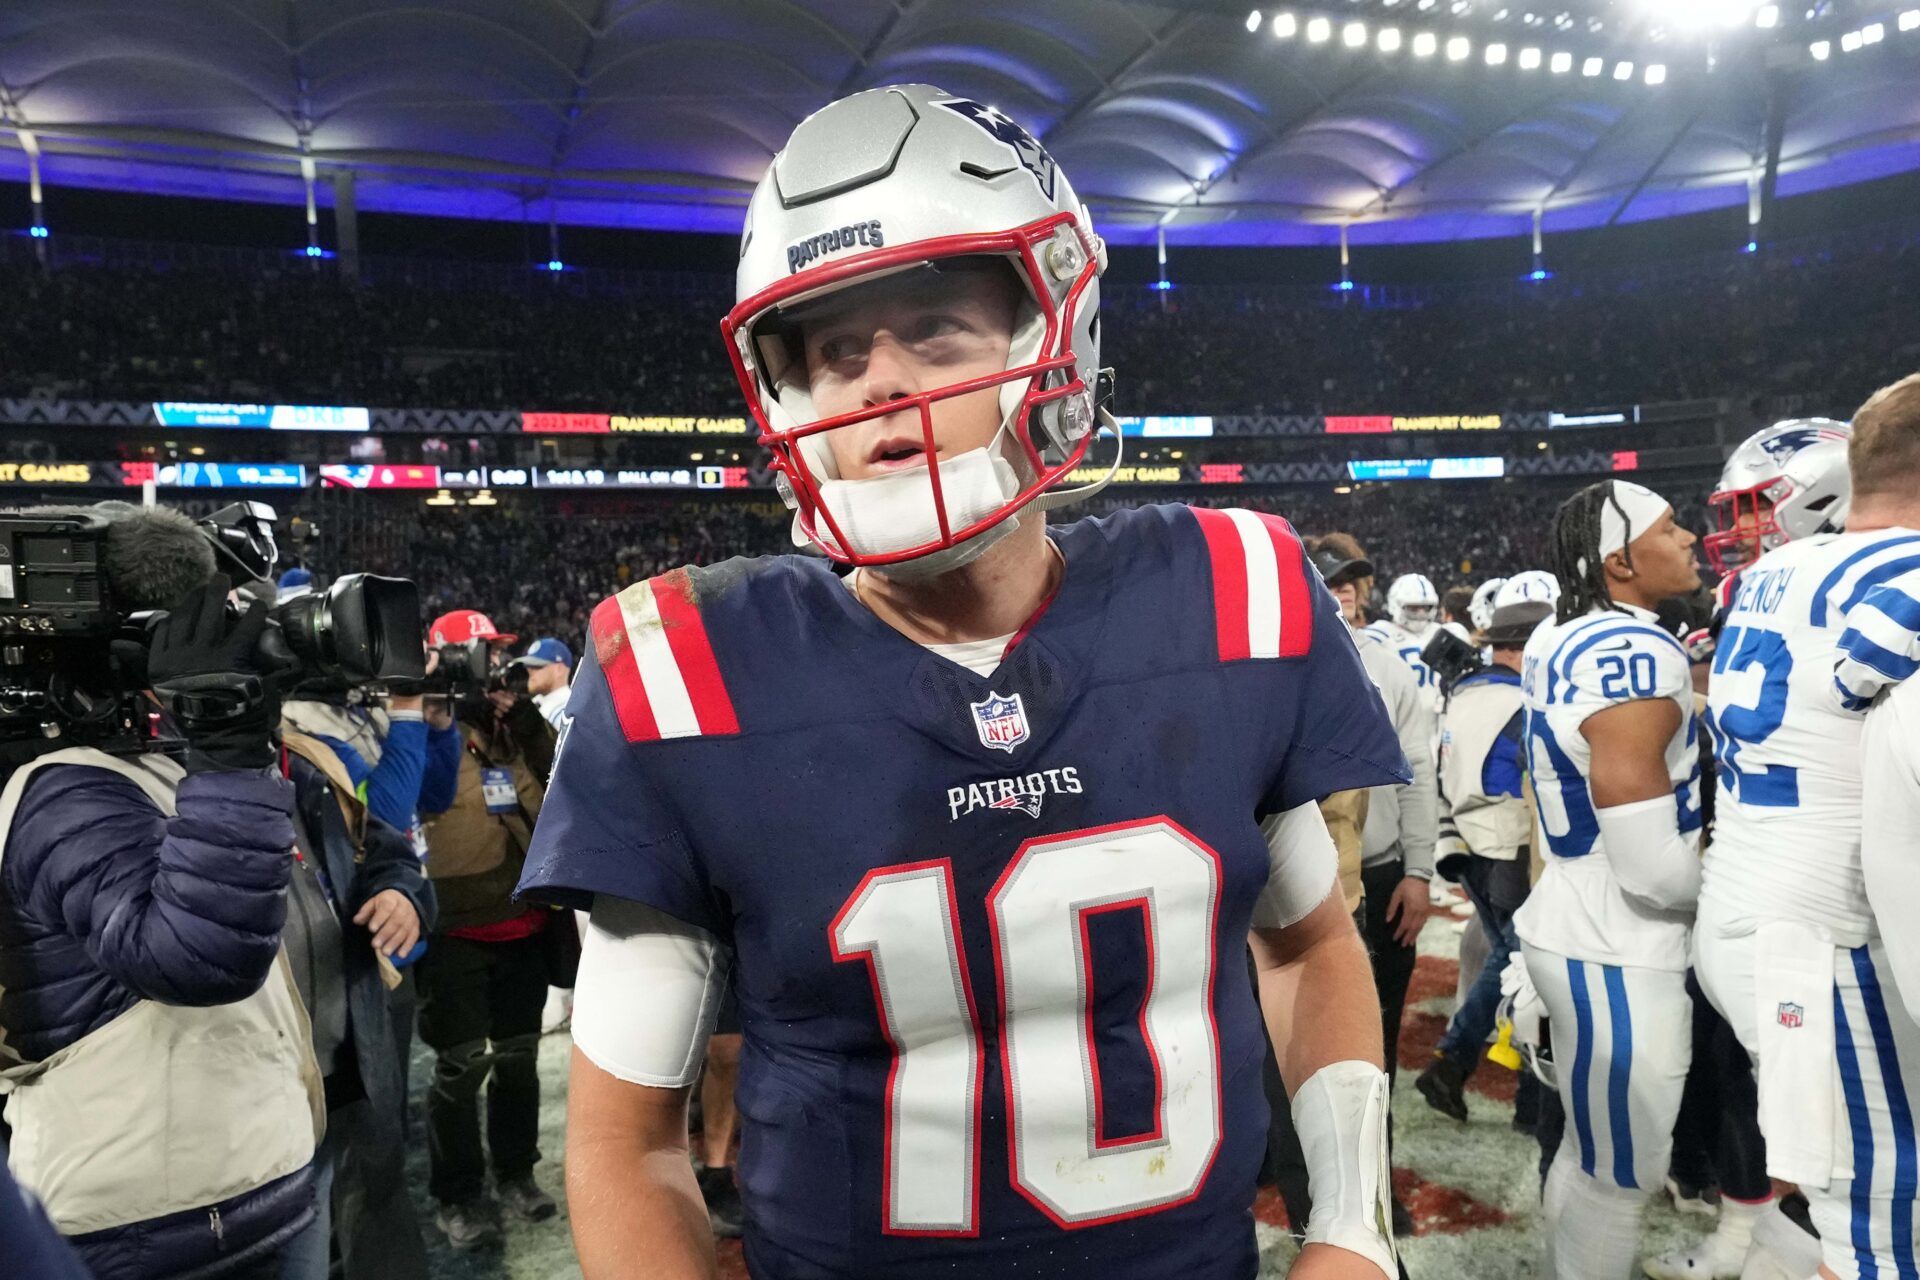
{"x": 1225, "y": 126}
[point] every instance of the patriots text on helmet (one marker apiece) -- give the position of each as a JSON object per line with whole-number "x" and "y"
{"x": 803, "y": 252}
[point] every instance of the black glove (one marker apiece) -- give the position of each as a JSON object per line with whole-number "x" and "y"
{"x": 204, "y": 664}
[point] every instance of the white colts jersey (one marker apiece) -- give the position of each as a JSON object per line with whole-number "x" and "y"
{"x": 1571, "y": 671}
{"x": 1407, "y": 647}
{"x": 1786, "y": 730}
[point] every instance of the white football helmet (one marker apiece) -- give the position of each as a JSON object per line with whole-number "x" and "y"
{"x": 1532, "y": 584}
{"x": 1412, "y": 602}
{"x": 1785, "y": 481}
{"x": 1481, "y": 610}
{"x": 892, "y": 181}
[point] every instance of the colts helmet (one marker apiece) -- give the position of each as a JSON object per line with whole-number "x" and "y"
{"x": 1480, "y": 611}
{"x": 1532, "y": 584}
{"x": 1412, "y": 602}
{"x": 897, "y": 180}
{"x": 1786, "y": 481}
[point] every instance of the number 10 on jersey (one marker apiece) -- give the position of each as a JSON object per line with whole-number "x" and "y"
{"x": 904, "y": 924}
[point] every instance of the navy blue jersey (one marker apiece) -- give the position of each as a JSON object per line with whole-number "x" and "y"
{"x": 989, "y": 932}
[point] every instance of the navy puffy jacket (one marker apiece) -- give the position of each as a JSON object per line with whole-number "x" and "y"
{"x": 104, "y": 901}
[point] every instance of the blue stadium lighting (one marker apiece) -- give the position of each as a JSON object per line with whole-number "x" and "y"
{"x": 1161, "y": 284}
{"x": 554, "y": 264}
{"x": 1344, "y": 286}
{"x": 1752, "y": 247}
{"x": 1539, "y": 273}
{"x": 38, "y": 232}
{"x": 315, "y": 251}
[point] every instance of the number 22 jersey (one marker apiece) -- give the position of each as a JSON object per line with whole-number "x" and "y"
{"x": 989, "y": 933}
{"x": 1812, "y": 629}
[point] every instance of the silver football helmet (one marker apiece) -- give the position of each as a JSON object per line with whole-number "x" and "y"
{"x": 1785, "y": 481}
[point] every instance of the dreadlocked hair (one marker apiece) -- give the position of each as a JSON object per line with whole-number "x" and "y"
{"x": 1577, "y": 561}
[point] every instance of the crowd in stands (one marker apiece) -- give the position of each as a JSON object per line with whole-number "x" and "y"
{"x": 1768, "y": 323}
{"x": 539, "y": 570}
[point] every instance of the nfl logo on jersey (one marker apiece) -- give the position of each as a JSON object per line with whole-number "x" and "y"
{"x": 1790, "y": 1014}
{"x": 1002, "y": 721}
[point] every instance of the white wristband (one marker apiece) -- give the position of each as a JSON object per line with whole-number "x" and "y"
{"x": 1340, "y": 1114}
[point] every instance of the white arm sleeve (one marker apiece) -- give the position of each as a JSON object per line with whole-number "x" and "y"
{"x": 648, "y": 991}
{"x": 1890, "y": 834}
{"x": 1340, "y": 1114}
{"x": 1650, "y": 858}
{"x": 1302, "y": 867}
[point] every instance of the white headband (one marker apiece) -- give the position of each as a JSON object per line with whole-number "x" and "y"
{"x": 1642, "y": 507}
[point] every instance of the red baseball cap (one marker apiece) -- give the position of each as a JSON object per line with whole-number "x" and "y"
{"x": 463, "y": 625}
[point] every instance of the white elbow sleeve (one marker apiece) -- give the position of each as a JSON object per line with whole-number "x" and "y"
{"x": 1341, "y": 1116}
{"x": 648, "y": 991}
{"x": 1302, "y": 867}
{"x": 1650, "y": 857}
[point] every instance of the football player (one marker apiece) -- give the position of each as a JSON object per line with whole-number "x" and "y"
{"x": 1480, "y": 609}
{"x": 1610, "y": 741}
{"x": 1787, "y": 947}
{"x": 1412, "y": 605}
{"x": 977, "y": 828}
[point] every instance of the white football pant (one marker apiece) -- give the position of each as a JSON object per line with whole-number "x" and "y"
{"x": 1865, "y": 1215}
{"x": 1622, "y": 1040}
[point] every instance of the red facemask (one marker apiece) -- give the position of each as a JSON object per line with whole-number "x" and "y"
{"x": 1744, "y": 523}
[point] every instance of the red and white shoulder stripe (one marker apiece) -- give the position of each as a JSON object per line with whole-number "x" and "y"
{"x": 659, "y": 663}
{"x": 1262, "y": 591}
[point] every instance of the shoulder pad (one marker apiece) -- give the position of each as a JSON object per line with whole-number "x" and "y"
{"x": 1264, "y": 594}
{"x": 660, "y": 667}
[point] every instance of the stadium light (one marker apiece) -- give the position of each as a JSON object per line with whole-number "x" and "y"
{"x": 1561, "y": 64}
{"x": 554, "y": 264}
{"x": 1389, "y": 39}
{"x": 315, "y": 251}
{"x": 1284, "y": 25}
{"x": 1319, "y": 30}
{"x": 1623, "y": 71}
{"x": 1253, "y": 22}
{"x": 1496, "y": 54}
{"x": 1657, "y": 74}
{"x": 38, "y": 232}
{"x": 1910, "y": 20}
{"x": 1849, "y": 42}
{"x": 1424, "y": 43}
{"x": 1426, "y": 5}
{"x": 1873, "y": 33}
{"x": 1592, "y": 66}
{"x": 1768, "y": 18}
{"x": 1529, "y": 59}
{"x": 1821, "y": 50}
{"x": 1354, "y": 35}
{"x": 1458, "y": 48}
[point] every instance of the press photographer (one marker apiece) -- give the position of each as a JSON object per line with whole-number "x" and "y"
{"x": 142, "y": 897}
{"x": 483, "y": 981}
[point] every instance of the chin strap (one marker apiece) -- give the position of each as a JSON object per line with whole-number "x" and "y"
{"x": 1062, "y": 497}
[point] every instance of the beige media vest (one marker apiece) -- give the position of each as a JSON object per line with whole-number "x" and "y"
{"x": 165, "y": 1108}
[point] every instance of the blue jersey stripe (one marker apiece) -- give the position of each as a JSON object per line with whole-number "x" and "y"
{"x": 1878, "y": 576}
{"x": 1861, "y": 1126}
{"x": 1619, "y": 1077}
{"x": 1900, "y": 607}
{"x": 1582, "y": 1062}
{"x": 1839, "y": 571}
{"x": 1906, "y": 1161}
{"x": 1849, "y": 700}
{"x": 1894, "y": 666}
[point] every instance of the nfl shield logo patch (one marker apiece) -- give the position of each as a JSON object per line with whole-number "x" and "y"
{"x": 1790, "y": 1014}
{"x": 1001, "y": 720}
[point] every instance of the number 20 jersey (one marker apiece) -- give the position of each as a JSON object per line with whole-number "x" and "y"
{"x": 1574, "y": 670}
{"x": 1786, "y": 743}
{"x": 990, "y": 934}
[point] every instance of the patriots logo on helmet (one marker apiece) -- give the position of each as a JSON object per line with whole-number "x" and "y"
{"x": 1033, "y": 157}
{"x": 1001, "y": 720}
{"x": 1790, "y": 1015}
{"x": 1788, "y": 443}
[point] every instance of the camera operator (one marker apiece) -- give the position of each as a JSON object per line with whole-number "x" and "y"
{"x": 484, "y": 979}
{"x": 160, "y": 1079}
{"x": 1485, "y": 831}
